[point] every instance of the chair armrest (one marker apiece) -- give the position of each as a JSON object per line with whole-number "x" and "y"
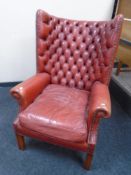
{"x": 99, "y": 101}
{"x": 27, "y": 91}
{"x": 99, "y": 106}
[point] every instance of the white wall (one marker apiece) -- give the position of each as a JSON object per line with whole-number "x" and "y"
{"x": 17, "y": 30}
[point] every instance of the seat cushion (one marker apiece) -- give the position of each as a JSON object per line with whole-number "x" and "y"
{"x": 59, "y": 112}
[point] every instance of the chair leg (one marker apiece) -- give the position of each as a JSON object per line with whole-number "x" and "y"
{"x": 119, "y": 68}
{"x": 88, "y": 161}
{"x": 89, "y": 157}
{"x": 20, "y": 141}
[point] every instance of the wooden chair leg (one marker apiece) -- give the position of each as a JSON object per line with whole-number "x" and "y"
{"x": 88, "y": 161}
{"x": 119, "y": 68}
{"x": 20, "y": 141}
{"x": 89, "y": 157}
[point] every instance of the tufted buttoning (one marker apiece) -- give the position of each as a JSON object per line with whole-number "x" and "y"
{"x": 76, "y": 53}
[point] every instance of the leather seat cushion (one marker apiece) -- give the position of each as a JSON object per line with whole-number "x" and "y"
{"x": 58, "y": 112}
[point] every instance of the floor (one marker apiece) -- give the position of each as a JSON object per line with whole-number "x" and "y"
{"x": 123, "y": 80}
{"x": 112, "y": 155}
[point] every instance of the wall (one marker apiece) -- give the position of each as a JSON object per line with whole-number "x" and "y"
{"x": 17, "y": 30}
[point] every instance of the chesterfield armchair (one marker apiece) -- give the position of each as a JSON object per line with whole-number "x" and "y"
{"x": 63, "y": 103}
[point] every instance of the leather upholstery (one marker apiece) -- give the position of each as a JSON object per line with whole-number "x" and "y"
{"x": 76, "y": 53}
{"x": 28, "y": 90}
{"x": 59, "y": 112}
{"x": 64, "y": 101}
{"x": 99, "y": 106}
{"x": 81, "y": 146}
{"x": 100, "y": 100}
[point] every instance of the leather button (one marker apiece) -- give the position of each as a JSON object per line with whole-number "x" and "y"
{"x": 79, "y": 63}
{"x": 88, "y": 40}
{"x": 70, "y": 38}
{"x": 80, "y": 84}
{"x": 82, "y": 47}
{"x": 76, "y": 54}
{"x": 79, "y": 40}
{"x": 65, "y": 67}
{"x": 73, "y": 46}
{"x": 68, "y": 75}
{"x": 59, "y": 51}
{"x": 53, "y": 72}
{"x": 61, "y": 36}
{"x": 93, "y": 55}
{"x": 57, "y": 66}
{"x": 83, "y": 70}
{"x": 55, "y": 79}
{"x": 54, "y": 58}
{"x": 52, "y": 49}
{"x": 91, "y": 48}
{"x": 57, "y": 43}
{"x": 88, "y": 63}
{"x": 72, "y": 83}
{"x": 60, "y": 74}
{"x": 63, "y": 81}
{"x": 66, "y": 30}
{"x": 71, "y": 61}
{"x": 64, "y": 45}
{"x": 77, "y": 77}
{"x": 85, "y": 55}
{"x": 67, "y": 53}
{"x": 86, "y": 77}
{"x": 74, "y": 69}
{"x": 62, "y": 60}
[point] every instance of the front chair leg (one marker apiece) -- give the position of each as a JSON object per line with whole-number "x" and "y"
{"x": 88, "y": 161}
{"x": 89, "y": 157}
{"x": 20, "y": 141}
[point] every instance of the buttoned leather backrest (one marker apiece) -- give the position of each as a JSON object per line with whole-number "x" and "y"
{"x": 76, "y": 53}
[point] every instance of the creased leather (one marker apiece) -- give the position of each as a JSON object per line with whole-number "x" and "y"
{"x": 81, "y": 146}
{"x": 28, "y": 90}
{"x": 59, "y": 112}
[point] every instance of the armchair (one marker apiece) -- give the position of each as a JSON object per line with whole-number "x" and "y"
{"x": 64, "y": 102}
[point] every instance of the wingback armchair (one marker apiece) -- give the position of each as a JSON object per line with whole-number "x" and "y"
{"x": 63, "y": 103}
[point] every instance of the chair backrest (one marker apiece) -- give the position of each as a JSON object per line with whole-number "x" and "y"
{"x": 76, "y": 53}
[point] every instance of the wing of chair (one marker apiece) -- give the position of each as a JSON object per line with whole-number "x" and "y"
{"x": 64, "y": 102}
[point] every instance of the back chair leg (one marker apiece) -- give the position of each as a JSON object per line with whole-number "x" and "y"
{"x": 119, "y": 68}
{"x": 20, "y": 141}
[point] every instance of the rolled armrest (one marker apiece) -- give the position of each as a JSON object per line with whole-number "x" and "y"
{"x": 28, "y": 90}
{"x": 99, "y": 101}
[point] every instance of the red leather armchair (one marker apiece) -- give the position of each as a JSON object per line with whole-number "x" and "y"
{"x": 64, "y": 102}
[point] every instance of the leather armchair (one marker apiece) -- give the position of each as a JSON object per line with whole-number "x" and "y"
{"x": 64, "y": 102}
